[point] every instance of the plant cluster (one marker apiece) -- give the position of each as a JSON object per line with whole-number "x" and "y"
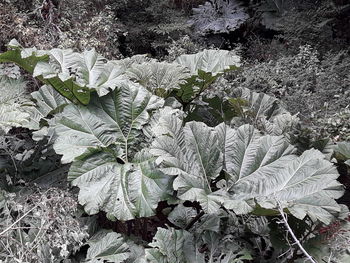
{"x": 148, "y": 139}
{"x": 47, "y": 24}
{"x": 304, "y": 83}
{"x": 90, "y": 26}
{"x": 324, "y": 27}
{"x": 15, "y": 24}
{"x": 278, "y": 28}
{"x": 182, "y": 46}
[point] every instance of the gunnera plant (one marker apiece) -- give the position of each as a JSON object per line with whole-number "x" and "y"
{"x": 218, "y": 16}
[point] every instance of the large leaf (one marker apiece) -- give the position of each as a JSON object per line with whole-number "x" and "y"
{"x": 248, "y": 152}
{"x": 209, "y": 61}
{"x": 107, "y": 246}
{"x": 260, "y": 105}
{"x": 72, "y": 74}
{"x": 168, "y": 246}
{"x": 265, "y": 169}
{"x": 218, "y": 16}
{"x": 102, "y": 139}
{"x": 47, "y": 101}
{"x": 264, "y": 112}
{"x": 191, "y": 153}
{"x": 342, "y": 151}
{"x": 60, "y": 64}
{"x": 127, "y": 63}
{"x": 87, "y": 70}
{"x": 175, "y": 246}
{"x": 28, "y": 58}
{"x": 122, "y": 191}
{"x": 181, "y": 216}
{"x": 159, "y": 77}
{"x": 12, "y": 102}
{"x": 261, "y": 171}
{"x": 116, "y": 118}
{"x": 204, "y": 67}
{"x": 18, "y": 108}
{"x": 281, "y": 124}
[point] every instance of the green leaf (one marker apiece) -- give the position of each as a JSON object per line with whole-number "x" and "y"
{"x": 60, "y": 64}
{"x": 204, "y": 67}
{"x": 107, "y": 247}
{"x": 93, "y": 72}
{"x": 47, "y": 101}
{"x": 154, "y": 256}
{"x": 12, "y": 102}
{"x": 73, "y": 75}
{"x": 84, "y": 72}
{"x": 181, "y": 216}
{"x": 137, "y": 253}
{"x": 123, "y": 191}
{"x": 259, "y": 105}
{"x": 116, "y": 118}
{"x": 281, "y": 124}
{"x": 248, "y": 152}
{"x": 178, "y": 246}
{"x": 209, "y": 61}
{"x": 191, "y": 153}
{"x": 342, "y": 151}
{"x": 264, "y": 169}
{"x": 159, "y": 77}
{"x": 168, "y": 246}
{"x": 29, "y": 58}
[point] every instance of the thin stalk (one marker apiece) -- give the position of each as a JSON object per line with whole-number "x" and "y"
{"x": 285, "y": 221}
{"x": 14, "y": 223}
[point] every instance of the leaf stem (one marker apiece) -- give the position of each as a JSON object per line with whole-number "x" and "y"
{"x": 194, "y": 220}
{"x": 285, "y": 221}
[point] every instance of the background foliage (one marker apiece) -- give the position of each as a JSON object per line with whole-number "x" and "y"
{"x": 174, "y": 131}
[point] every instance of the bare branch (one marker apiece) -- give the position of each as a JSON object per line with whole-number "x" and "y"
{"x": 14, "y": 223}
{"x": 297, "y": 242}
